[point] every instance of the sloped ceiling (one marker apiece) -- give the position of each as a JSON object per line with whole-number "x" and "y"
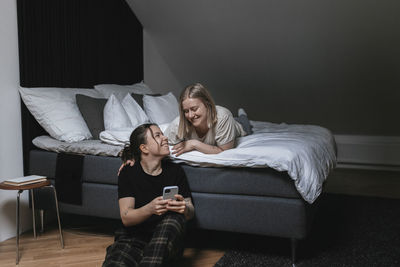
{"x": 333, "y": 63}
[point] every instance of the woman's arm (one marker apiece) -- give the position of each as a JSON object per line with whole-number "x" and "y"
{"x": 190, "y": 145}
{"x": 131, "y": 216}
{"x": 181, "y": 205}
{"x": 129, "y": 162}
{"x": 189, "y": 211}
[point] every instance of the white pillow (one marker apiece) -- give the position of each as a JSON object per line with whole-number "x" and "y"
{"x": 135, "y": 112}
{"x": 120, "y": 91}
{"x": 161, "y": 109}
{"x": 56, "y": 111}
{"x": 115, "y": 116}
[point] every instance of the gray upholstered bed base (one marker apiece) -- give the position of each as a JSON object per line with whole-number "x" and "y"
{"x": 271, "y": 216}
{"x": 245, "y": 200}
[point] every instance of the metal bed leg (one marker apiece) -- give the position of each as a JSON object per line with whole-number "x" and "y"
{"x": 58, "y": 216}
{"x": 33, "y": 214}
{"x": 17, "y": 243}
{"x": 293, "y": 242}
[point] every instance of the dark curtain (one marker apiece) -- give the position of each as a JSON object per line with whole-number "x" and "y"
{"x": 78, "y": 43}
{"x": 75, "y": 43}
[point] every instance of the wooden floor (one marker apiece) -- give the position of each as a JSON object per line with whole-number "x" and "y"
{"x": 81, "y": 249}
{"x": 86, "y": 245}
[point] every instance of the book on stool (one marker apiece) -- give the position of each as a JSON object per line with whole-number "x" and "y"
{"x": 31, "y": 179}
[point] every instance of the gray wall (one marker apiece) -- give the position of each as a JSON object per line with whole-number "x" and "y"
{"x": 327, "y": 62}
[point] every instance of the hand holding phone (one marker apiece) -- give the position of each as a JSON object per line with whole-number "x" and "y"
{"x": 169, "y": 192}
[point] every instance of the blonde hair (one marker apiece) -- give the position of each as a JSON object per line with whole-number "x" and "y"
{"x": 198, "y": 91}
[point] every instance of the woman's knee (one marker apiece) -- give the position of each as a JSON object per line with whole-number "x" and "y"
{"x": 175, "y": 222}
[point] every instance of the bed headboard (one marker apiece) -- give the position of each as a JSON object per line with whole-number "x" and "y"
{"x": 89, "y": 42}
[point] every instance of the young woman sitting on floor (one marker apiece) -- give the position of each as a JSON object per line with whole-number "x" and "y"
{"x": 153, "y": 228}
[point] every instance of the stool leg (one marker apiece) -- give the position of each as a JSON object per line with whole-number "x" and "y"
{"x": 58, "y": 217}
{"x": 41, "y": 221}
{"x": 33, "y": 214}
{"x": 17, "y": 244}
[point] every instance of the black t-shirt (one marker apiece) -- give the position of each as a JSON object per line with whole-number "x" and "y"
{"x": 134, "y": 182}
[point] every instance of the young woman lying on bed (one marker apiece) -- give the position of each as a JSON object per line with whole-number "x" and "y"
{"x": 201, "y": 125}
{"x": 153, "y": 227}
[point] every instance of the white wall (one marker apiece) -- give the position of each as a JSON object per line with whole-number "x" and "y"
{"x": 10, "y": 121}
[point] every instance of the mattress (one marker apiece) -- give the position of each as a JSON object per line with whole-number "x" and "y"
{"x": 306, "y": 152}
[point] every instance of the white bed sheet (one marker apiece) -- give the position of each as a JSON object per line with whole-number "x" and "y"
{"x": 91, "y": 147}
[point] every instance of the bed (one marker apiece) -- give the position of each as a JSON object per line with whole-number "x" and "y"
{"x": 253, "y": 199}
{"x": 249, "y": 193}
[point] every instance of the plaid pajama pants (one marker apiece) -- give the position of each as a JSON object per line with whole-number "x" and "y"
{"x": 165, "y": 245}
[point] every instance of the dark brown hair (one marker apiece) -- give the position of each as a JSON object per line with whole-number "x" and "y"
{"x": 138, "y": 137}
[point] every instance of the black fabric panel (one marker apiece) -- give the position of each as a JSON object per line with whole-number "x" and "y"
{"x": 68, "y": 180}
{"x": 78, "y": 43}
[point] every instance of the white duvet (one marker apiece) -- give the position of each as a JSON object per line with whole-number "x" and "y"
{"x": 306, "y": 152}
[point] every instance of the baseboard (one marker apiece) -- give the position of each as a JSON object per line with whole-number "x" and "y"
{"x": 368, "y": 152}
{"x": 361, "y": 182}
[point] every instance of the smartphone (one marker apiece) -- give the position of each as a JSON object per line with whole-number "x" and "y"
{"x": 169, "y": 192}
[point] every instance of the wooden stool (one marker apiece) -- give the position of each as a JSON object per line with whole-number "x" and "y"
{"x": 20, "y": 189}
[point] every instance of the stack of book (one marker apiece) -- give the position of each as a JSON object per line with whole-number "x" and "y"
{"x": 31, "y": 179}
